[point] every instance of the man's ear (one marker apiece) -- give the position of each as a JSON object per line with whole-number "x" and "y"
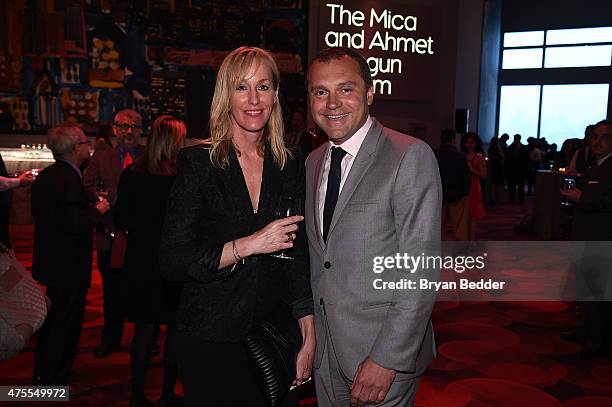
{"x": 370, "y": 96}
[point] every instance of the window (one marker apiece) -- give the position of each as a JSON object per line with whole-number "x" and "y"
{"x": 524, "y": 39}
{"x": 579, "y": 36}
{"x": 518, "y": 110}
{"x": 568, "y": 109}
{"x": 553, "y": 83}
{"x": 586, "y": 55}
{"x": 522, "y": 58}
{"x": 558, "y": 48}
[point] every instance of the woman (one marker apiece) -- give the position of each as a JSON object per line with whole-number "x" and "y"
{"x": 23, "y": 307}
{"x": 496, "y": 160}
{"x": 140, "y": 210}
{"x": 103, "y": 139}
{"x": 220, "y": 231}
{"x": 471, "y": 145}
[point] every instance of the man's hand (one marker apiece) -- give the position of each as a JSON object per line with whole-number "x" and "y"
{"x": 371, "y": 383}
{"x": 572, "y": 195}
{"x": 102, "y": 206}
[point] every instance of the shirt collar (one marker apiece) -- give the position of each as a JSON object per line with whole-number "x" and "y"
{"x": 77, "y": 169}
{"x": 123, "y": 151}
{"x": 353, "y": 144}
{"x": 601, "y": 160}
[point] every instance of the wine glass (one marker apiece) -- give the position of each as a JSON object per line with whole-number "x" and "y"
{"x": 101, "y": 191}
{"x": 288, "y": 206}
{"x": 568, "y": 183}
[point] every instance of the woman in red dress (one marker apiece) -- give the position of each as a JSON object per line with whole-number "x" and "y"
{"x": 472, "y": 147}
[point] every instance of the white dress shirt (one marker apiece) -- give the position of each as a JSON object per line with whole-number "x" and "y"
{"x": 351, "y": 146}
{"x": 599, "y": 161}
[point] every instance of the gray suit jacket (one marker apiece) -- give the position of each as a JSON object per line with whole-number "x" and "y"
{"x": 390, "y": 203}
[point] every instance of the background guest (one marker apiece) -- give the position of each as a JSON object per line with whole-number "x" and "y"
{"x": 139, "y": 211}
{"x": 517, "y": 167}
{"x": 23, "y": 307}
{"x": 6, "y": 198}
{"x": 568, "y": 149}
{"x": 535, "y": 162}
{"x": 63, "y": 227}
{"x": 497, "y": 157}
{"x": 102, "y": 177}
{"x": 472, "y": 146}
{"x": 103, "y": 139}
{"x": 456, "y": 181}
{"x": 552, "y": 155}
{"x": 583, "y": 157}
{"x": 299, "y": 135}
{"x": 220, "y": 229}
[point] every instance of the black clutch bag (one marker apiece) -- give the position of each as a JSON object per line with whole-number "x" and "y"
{"x": 272, "y": 348}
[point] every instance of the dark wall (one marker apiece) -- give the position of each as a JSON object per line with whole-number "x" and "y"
{"x": 525, "y": 15}
{"x": 425, "y": 118}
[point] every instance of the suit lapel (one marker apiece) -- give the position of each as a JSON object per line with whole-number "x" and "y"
{"x": 271, "y": 184}
{"x": 360, "y": 166}
{"x": 236, "y": 193}
{"x": 234, "y": 188}
{"x": 318, "y": 165}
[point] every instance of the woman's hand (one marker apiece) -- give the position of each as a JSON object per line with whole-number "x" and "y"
{"x": 305, "y": 358}
{"x": 276, "y": 235}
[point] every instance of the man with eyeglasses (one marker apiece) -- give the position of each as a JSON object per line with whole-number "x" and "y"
{"x": 102, "y": 176}
{"x": 63, "y": 224}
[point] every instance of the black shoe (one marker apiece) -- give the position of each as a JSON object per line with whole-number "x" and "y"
{"x": 155, "y": 349}
{"x": 105, "y": 350}
{"x": 571, "y": 337}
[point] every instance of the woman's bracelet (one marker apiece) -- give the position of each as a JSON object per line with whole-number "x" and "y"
{"x": 237, "y": 256}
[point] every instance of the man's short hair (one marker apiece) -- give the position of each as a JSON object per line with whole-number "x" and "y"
{"x": 327, "y": 54}
{"x": 447, "y": 136}
{"x": 130, "y": 114}
{"x": 62, "y": 139}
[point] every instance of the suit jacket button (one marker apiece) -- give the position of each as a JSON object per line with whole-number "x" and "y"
{"x": 327, "y": 265}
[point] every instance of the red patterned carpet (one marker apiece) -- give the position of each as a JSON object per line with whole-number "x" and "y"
{"x": 489, "y": 354}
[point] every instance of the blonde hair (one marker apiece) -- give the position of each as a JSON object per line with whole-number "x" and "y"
{"x": 166, "y": 139}
{"x": 233, "y": 70}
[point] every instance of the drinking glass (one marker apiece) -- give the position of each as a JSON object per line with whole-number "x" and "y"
{"x": 568, "y": 183}
{"x": 101, "y": 191}
{"x": 288, "y": 206}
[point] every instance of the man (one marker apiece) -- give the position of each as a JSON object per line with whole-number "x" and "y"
{"x": 583, "y": 157}
{"x": 456, "y": 180}
{"x": 103, "y": 173}
{"x": 593, "y": 223}
{"x": 63, "y": 227}
{"x": 517, "y": 167}
{"x": 370, "y": 192}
